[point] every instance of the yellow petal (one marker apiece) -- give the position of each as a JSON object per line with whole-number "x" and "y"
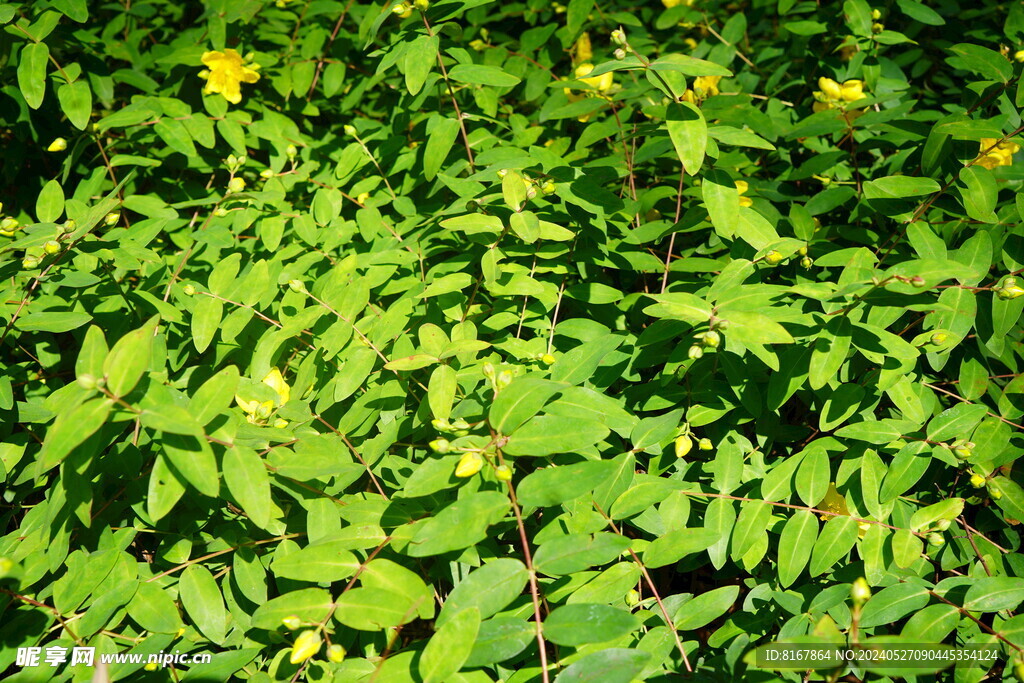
{"x": 830, "y": 88}
{"x": 306, "y": 645}
{"x": 275, "y": 381}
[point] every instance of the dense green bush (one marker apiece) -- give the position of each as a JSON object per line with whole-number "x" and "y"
{"x": 453, "y": 341}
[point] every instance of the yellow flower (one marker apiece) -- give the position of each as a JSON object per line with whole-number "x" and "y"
{"x": 227, "y": 72}
{"x": 306, "y": 645}
{"x": 706, "y": 86}
{"x": 742, "y": 187}
{"x": 469, "y": 464}
{"x": 582, "y": 52}
{"x": 832, "y": 90}
{"x": 1000, "y": 155}
{"x": 603, "y": 82}
{"x": 853, "y": 90}
{"x": 669, "y": 4}
{"x": 275, "y": 381}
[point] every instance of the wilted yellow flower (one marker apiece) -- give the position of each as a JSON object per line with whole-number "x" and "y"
{"x": 1000, "y": 155}
{"x": 469, "y": 464}
{"x": 227, "y": 71}
{"x": 306, "y": 645}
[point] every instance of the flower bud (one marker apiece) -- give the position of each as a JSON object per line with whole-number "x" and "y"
{"x": 943, "y": 524}
{"x": 336, "y": 653}
{"x": 30, "y": 263}
{"x": 1010, "y": 292}
{"x": 695, "y": 352}
{"x": 265, "y": 409}
{"x": 9, "y": 224}
{"x": 401, "y": 9}
{"x": 773, "y": 258}
{"x": 440, "y": 425}
{"x": 503, "y": 473}
{"x": 362, "y": 197}
{"x": 291, "y": 151}
{"x": 58, "y": 145}
{"x": 995, "y": 494}
{"x": 977, "y": 481}
{"x": 705, "y": 444}
{"x": 220, "y": 212}
{"x": 280, "y": 423}
{"x": 876, "y": 14}
{"x": 1019, "y": 56}
{"x": 350, "y": 130}
{"x": 421, "y": 5}
{"x": 504, "y": 379}
{"x": 711, "y": 339}
{"x": 1009, "y": 281}
{"x": 267, "y": 174}
{"x": 802, "y": 251}
{"x": 917, "y": 281}
{"x": 633, "y": 597}
{"x": 87, "y": 381}
{"x": 151, "y": 666}
{"x": 489, "y": 371}
{"x": 502, "y": 172}
{"x": 69, "y": 226}
{"x": 111, "y": 219}
{"x": 440, "y": 446}
{"x": 683, "y": 445}
{"x": 963, "y": 451}
{"x": 236, "y": 184}
{"x": 939, "y": 338}
{"x": 51, "y": 247}
{"x": 469, "y": 465}
{"x": 806, "y": 262}
{"x": 935, "y": 539}
{"x": 619, "y": 53}
{"x": 860, "y": 591}
{"x": 297, "y": 286}
{"x": 189, "y": 290}
{"x": 548, "y": 187}
{"x": 619, "y": 37}
{"x": 306, "y": 645}
{"x": 292, "y": 623}
{"x": 877, "y": 28}
{"x": 459, "y": 423}
{"x": 831, "y": 89}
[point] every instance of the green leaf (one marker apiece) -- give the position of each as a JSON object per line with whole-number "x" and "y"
{"x": 576, "y": 552}
{"x": 956, "y": 422}
{"x": 546, "y": 435}
{"x": 722, "y": 200}
{"x": 499, "y": 639}
{"x": 705, "y": 608}
{"x": 979, "y": 193}
{"x": 459, "y": 525}
{"x": 52, "y": 321}
{"x": 373, "y": 609}
{"x": 837, "y": 537}
{"x": 441, "y": 134}
{"x": 899, "y": 186}
{"x": 202, "y": 601}
{"x": 829, "y": 351}
{"x": 448, "y": 649}
{"x": 420, "y": 57}
{"x": 689, "y": 133}
{"x": 555, "y": 485}
{"x": 248, "y": 482}
{"x": 327, "y": 561}
{"x": 519, "y": 401}
{"x": 308, "y": 604}
{"x": 76, "y": 102}
{"x": 32, "y": 73}
{"x": 577, "y": 624}
{"x": 948, "y": 509}
{"x": 71, "y": 429}
{"x": 994, "y": 593}
{"x": 795, "y": 546}
{"x": 129, "y": 359}
{"x": 489, "y": 589}
{"x": 50, "y": 203}
{"x": 982, "y": 61}
{"x": 893, "y": 603}
{"x": 215, "y": 395}
{"x": 478, "y": 74}
{"x": 153, "y": 609}
{"x": 671, "y": 547}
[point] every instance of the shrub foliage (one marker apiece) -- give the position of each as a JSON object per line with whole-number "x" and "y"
{"x": 477, "y": 341}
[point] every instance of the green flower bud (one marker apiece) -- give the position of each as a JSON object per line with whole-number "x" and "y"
{"x": 292, "y": 623}
{"x": 111, "y": 219}
{"x": 978, "y": 481}
{"x": 51, "y": 247}
{"x": 806, "y": 262}
{"x": 30, "y": 263}
{"x": 711, "y": 339}
{"x": 860, "y": 591}
{"x": 695, "y": 352}
{"x": 633, "y": 597}
{"x": 189, "y": 290}
{"x": 336, "y": 653}
{"x": 939, "y": 338}
{"x": 58, "y": 145}
{"x": 618, "y": 37}
{"x": 705, "y": 445}
{"x": 773, "y": 258}
{"x": 503, "y": 473}
{"x": 917, "y": 281}
{"x": 943, "y": 524}
{"x": 547, "y": 359}
{"x": 802, "y": 251}
{"x": 297, "y": 286}
{"x": 935, "y": 539}
{"x": 87, "y": 382}
{"x": 440, "y": 446}
{"x": 1010, "y": 293}
{"x": 504, "y": 379}
{"x": 440, "y": 425}
{"x": 291, "y": 151}
{"x": 995, "y": 494}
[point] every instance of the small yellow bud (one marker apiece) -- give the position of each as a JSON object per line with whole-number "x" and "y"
{"x": 111, "y": 219}
{"x": 441, "y": 425}
{"x": 943, "y": 524}
{"x": 280, "y": 423}
{"x": 6, "y": 565}
{"x": 773, "y": 258}
{"x": 618, "y": 37}
{"x": 548, "y": 187}
{"x": 30, "y": 263}
{"x": 860, "y": 591}
{"x": 504, "y": 379}
{"x": 547, "y": 359}
{"x": 712, "y": 339}
{"x": 876, "y": 14}
{"x": 349, "y": 129}
{"x": 684, "y": 444}
{"x": 267, "y": 174}
{"x": 69, "y": 226}
{"x": 220, "y": 212}
{"x": 939, "y": 338}
{"x": 695, "y": 352}
{"x": 1010, "y": 293}
{"x": 421, "y": 5}
{"x": 632, "y": 597}
{"x": 1019, "y": 55}
{"x": 478, "y": 45}
{"x": 469, "y": 465}
{"x": 292, "y": 623}
{"x": 51, "y": 247}
{"x": 58, "y": 145}
{"x": 802, "y": 251}
{"x": 87, "y": 382}
{"x": 503, "y": 473}
{"x": 996, "y": 494}
{"x": 236, "y": 184}
{"x": 265, "y": 410}
{"x": 11, "y": 224}
{"x": 440, "y": 446}
{"x": 291, "y": 151}
{"x": 362, "y": 197}
{"x": 306, "y": 645}
{"x": 151, "y": 666}
{"x": 935, "y": 539}
{"x": 189, "y": 290}
{"x": 705, "y": 445}
{"x": 917, "y": 281}
{"x": 806, "y": 262}
{"x": 297, "y": 286}
{"x": 502, "y": 172}
{"x": 977, "y": 481}
{"x": 336, "y": 653}
{"x": 877, "y": 28}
